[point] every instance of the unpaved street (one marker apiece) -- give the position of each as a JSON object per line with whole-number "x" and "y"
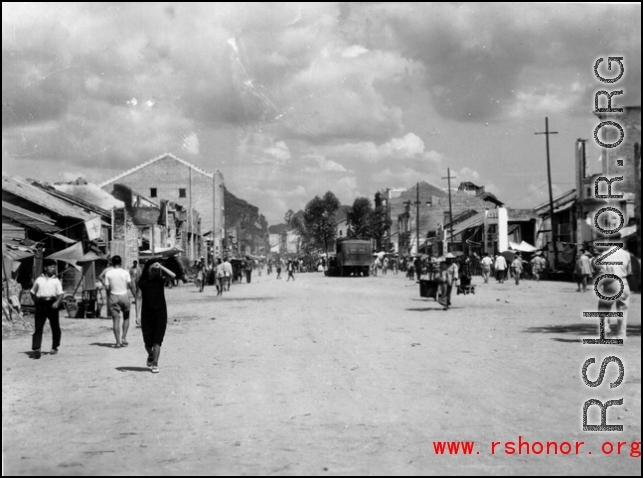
{"x": 324, "y": 376}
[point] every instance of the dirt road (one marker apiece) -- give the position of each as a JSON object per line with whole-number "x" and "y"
{"x": 325, "y": 376}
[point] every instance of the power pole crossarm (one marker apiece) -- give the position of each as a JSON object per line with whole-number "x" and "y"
{"x": 551, "y": 197}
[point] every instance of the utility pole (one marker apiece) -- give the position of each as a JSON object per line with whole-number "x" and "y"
{"x": 417, "y": 217}
{"x": 551, "y": 197}
{"x": 448, "y": 178}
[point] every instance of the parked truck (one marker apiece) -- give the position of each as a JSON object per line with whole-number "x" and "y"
{"x": 354, "y": 257}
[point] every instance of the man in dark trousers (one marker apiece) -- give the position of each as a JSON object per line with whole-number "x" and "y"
{"x": 47, "y": 292}
{"x": 248, "y": 269}
{"x": 290, "y": 268}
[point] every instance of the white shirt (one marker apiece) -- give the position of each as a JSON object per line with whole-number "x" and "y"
{"x": 227, "y": 268}
{"x": 622, "y": 270}
{"x": 501, "y": 263}
{"x": 486, "y": 261}
{"x": 116, "y": 280}
{"x": 47, "y": 287}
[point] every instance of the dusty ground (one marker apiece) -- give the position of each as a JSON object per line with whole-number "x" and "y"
{"x": 323, "y": 376}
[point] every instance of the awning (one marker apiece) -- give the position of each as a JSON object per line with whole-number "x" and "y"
{"x": 70, "y": 255}
{"x": 63, "y": 238}
{"x": 627, "y": 231}
{"x": 522, "y": 247}
{"x": 161, "y": 252}
{"x": 473, "y": 221}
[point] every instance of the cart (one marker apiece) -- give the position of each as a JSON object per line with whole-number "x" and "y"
{"x": 465, "y": 286}
{"x": 429, "y": 288}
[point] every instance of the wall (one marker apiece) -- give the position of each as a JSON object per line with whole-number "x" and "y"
{"x": 126, "y": 231}
{"x": 167, "y": 175}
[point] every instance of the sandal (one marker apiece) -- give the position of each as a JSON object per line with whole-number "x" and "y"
{"x": 124, "y": 343}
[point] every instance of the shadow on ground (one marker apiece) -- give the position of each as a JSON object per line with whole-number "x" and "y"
{"x": 110, "y": 345}
{"x": 133, "y": 369}
{"x": 586, "y": 329}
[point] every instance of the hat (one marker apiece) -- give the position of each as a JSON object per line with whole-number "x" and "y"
{"x": 49, "y": 262}
{"x": 449, "y": 256}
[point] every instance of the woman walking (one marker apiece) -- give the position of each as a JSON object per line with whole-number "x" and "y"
{"x": 153, "y": 309}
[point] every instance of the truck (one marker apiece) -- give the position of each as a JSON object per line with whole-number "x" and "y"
{"x": 353, "y": 257}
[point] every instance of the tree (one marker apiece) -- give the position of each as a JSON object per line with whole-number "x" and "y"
{"x": 358, "y": 219}
{"x": 318, "y": 223}
{"x": 379, "y": 222}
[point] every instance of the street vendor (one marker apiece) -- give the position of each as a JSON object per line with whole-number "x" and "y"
{"x": 448, "y": 278}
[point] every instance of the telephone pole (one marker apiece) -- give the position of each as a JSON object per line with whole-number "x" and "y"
{"x": 551, "y": 197}
{"x": 449, "y": 177}
{"x": 417, "y": 217}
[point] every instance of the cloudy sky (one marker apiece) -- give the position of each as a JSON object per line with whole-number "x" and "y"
{"x": 292, "y": 100}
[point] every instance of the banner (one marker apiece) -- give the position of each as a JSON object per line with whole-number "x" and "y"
{"x": 93, "y": 228}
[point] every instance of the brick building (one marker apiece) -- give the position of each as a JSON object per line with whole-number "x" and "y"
{"x": 433, "y": 211}
{"x": 178, "y": 181}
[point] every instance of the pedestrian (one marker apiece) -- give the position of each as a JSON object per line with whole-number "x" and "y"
{"x": 248, "y": 269}
{"x": 486, "y": 263}
{"x": 47, "y": 293}
{"x": 516, "y": 268}
{"x": 465, "y": 272}
{"x": 500, "y": 265}
{"x": 153, "y": 310}
{"x": 619, "y": 265}
{"x": 395, "y": 266}
{"x": 448, "y": 278}
{"x": 385, "y": 265}
{"x": 219, "y": 276}
{"x": 135, "y": 275}
{"x": 583, "y": 271}
{"x": 537, "y": 265}
{"x": 417, "y": 266}
{"x": 200, "y": 274}
{"x": 290, "y": 268}
{"x": 278, "y": 269}
{"x": 117, "y": 282}
{"x": 227, "y": 268}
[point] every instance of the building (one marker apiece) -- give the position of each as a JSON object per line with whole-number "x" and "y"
{"x": 629, "y": 153}
{"x": 180, "y": 182}
{"x": 565, "y": 220}
{"x": 426, "y": 212}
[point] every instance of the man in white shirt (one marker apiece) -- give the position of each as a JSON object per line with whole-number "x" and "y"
{"x": 117, "y": 281}
{"x": 47, "y": 292}
{"x": 227, "y": 268}
{"x": 500, "y": 265}
{"x": 610, "y": 287}
{"x": 486, "y": 263}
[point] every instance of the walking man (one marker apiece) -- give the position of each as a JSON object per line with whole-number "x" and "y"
{"x": 290, "y": 268}
{"x": 448, "y": 277}
{"x": 248, "y": 269}
{"x": 47, "y": 292}
{"x": 200, "y": 274}
{"x": 154, "y": 310}
{"x": 135, "y": 275}
{"x": 537, "y": 265}
{"x": 500, "y": 265}
{"x": 516, "y": 268}
{"x": 486, "y": 263}
{"x": 117, "y": 281}
{"x": 227, "y": 268}
{"x": 610, "y": 287}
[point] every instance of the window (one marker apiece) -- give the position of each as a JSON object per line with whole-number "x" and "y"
{"x": 340, "y": 233}
{"x": 152, "y": 192}
{"x": 181, "y": 192}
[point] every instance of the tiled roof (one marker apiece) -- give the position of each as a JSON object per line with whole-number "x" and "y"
{"x": 152, "y": 161}
{"x": 42, "y": 198}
